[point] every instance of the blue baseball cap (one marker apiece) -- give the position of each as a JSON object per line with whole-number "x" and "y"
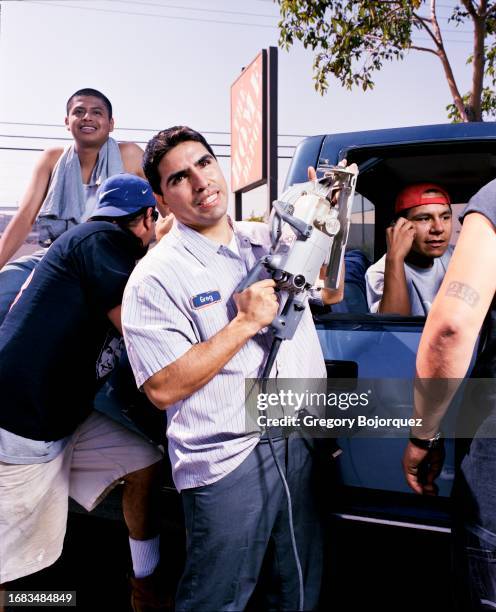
{"x": 123, "y": 194}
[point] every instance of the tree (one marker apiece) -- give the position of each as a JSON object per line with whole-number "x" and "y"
{"x": 352, "y": 39}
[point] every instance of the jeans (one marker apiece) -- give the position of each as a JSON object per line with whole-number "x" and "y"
{"x": 239, "y": 523}
{"x": 13, "y": 276}
{"x": 475, "y": 522}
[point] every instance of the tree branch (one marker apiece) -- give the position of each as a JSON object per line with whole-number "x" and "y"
{"x": 470, "y": 8}
{"x": 482, "y": 9}
{"x": 426, "y": 27}
{"x": 478, "y": 62}
{"x": 437, "y": 30}
{"x": 426, "y": 49}
{"x": 490, "y": 11}
{"x": 448, "y": 71}
{"x": 422, "y": 18}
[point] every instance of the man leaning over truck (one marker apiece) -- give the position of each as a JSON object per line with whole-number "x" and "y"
{"x": 53, "y": 356}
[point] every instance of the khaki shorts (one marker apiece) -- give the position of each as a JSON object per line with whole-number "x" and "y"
{"x": 34, "y": 498}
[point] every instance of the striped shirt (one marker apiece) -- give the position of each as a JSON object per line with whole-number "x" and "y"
{"x": 180, "y": 294}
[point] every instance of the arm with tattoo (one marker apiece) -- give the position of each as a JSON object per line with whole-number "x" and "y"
{"x": 457, "y": 314}
{"x": 448, "y": 342}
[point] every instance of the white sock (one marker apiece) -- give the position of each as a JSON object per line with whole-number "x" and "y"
{"x": 145, "y": 555}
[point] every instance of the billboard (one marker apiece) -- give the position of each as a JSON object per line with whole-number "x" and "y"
{"x": 248, "y": 126}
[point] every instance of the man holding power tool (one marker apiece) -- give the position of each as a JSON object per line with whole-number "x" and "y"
{"x": 192, "y": 342}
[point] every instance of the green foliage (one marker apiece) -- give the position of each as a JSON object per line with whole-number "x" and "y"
{"x": 353, "y": 39}
{"x": 254, "y": 217}
{"x": 488, "y": 103}
{"x": 488, "y": 96}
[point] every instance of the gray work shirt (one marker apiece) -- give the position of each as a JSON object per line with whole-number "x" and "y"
{"x": 180, "y": 294}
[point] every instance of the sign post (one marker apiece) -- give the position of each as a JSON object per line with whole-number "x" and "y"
{"x": 254, "y": 128}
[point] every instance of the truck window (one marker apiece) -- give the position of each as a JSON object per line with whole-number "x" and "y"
{"x": 362, "y": 226}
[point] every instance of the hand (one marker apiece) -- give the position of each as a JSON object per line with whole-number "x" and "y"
{"x": 163, "y": 226}
{"x": 312, "y": 174}
{"x": 399, "y": 238}
{"x": 257, "y": 304}
{"x": 333, "y": 196}
{"x": 421, "y": 468}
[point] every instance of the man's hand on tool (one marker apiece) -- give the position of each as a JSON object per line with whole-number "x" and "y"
{"x": 333, "y": 197}
{"x": 258, "y": 304}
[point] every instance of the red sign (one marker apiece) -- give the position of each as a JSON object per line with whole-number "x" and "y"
{"x": 248, "y": 121}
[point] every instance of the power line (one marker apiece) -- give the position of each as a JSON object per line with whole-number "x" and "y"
{"x": 58, "y": 125}
{"x": 258, "y": 25}
{"x": 18, "y": 149}
{"x": 187, "y": 8}
{"x": 66, "y": 138}
{"x": 161, "y": 16}
{"x": 144, "y": 142}
{"x": 219, "y": 155}
{"x": 450, "y": 40}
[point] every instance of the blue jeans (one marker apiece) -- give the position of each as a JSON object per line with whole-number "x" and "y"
{"x": 13, "y": 276}
{"x": 240, "y": 522}
{"x": 475, "y": 522}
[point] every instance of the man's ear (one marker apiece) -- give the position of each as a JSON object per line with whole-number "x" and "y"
{"x": 66, "y": 121}
{"x": 148, "y": 217}
{"x": 111, "y": 129}
{"x": 162, "y": 206}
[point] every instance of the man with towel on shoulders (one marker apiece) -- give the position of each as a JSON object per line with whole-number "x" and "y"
{"x": 64, "y": 185}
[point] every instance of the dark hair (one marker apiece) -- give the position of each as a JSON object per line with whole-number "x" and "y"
{"x": 161, "y": 144}
{"x": 404, "y": 213}
{"x": 88, "y": 91}
{"x": 126, "y": 221}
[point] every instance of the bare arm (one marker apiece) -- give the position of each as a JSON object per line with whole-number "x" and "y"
{"x": 457, "y": 314}
{"x": 332, "y": 296}
{"x": 257, "y": 307}
{"x": 448, "y": 341}
{"x": 29, "y": 207}
{"x": 329, "y": 296}
{"x": 132, "y": 158}
{"x": 395, "y": 298}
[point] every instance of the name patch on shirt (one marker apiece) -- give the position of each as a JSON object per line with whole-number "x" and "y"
{"x": 205, "y": 299}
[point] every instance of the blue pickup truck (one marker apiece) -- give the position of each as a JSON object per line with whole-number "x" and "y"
{"x": 367, "y": 559}
{"x": 461, "y": 158}
{"x": 357, "y": 344}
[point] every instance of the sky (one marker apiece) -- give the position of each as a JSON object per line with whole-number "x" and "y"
{"x": 165, "y": 62}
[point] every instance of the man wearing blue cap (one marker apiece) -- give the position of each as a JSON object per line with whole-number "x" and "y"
{"x": 55, "y": 345}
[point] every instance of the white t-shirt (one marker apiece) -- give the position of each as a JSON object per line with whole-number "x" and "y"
{"x": 423, "y": 283}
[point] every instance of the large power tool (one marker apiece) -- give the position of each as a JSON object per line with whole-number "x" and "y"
{"x": 309, "y": 229}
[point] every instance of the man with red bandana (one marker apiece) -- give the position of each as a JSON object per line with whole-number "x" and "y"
{"x": 407, "y": 278}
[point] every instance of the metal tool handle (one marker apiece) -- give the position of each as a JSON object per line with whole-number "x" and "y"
{"x": 252, "y": 276}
